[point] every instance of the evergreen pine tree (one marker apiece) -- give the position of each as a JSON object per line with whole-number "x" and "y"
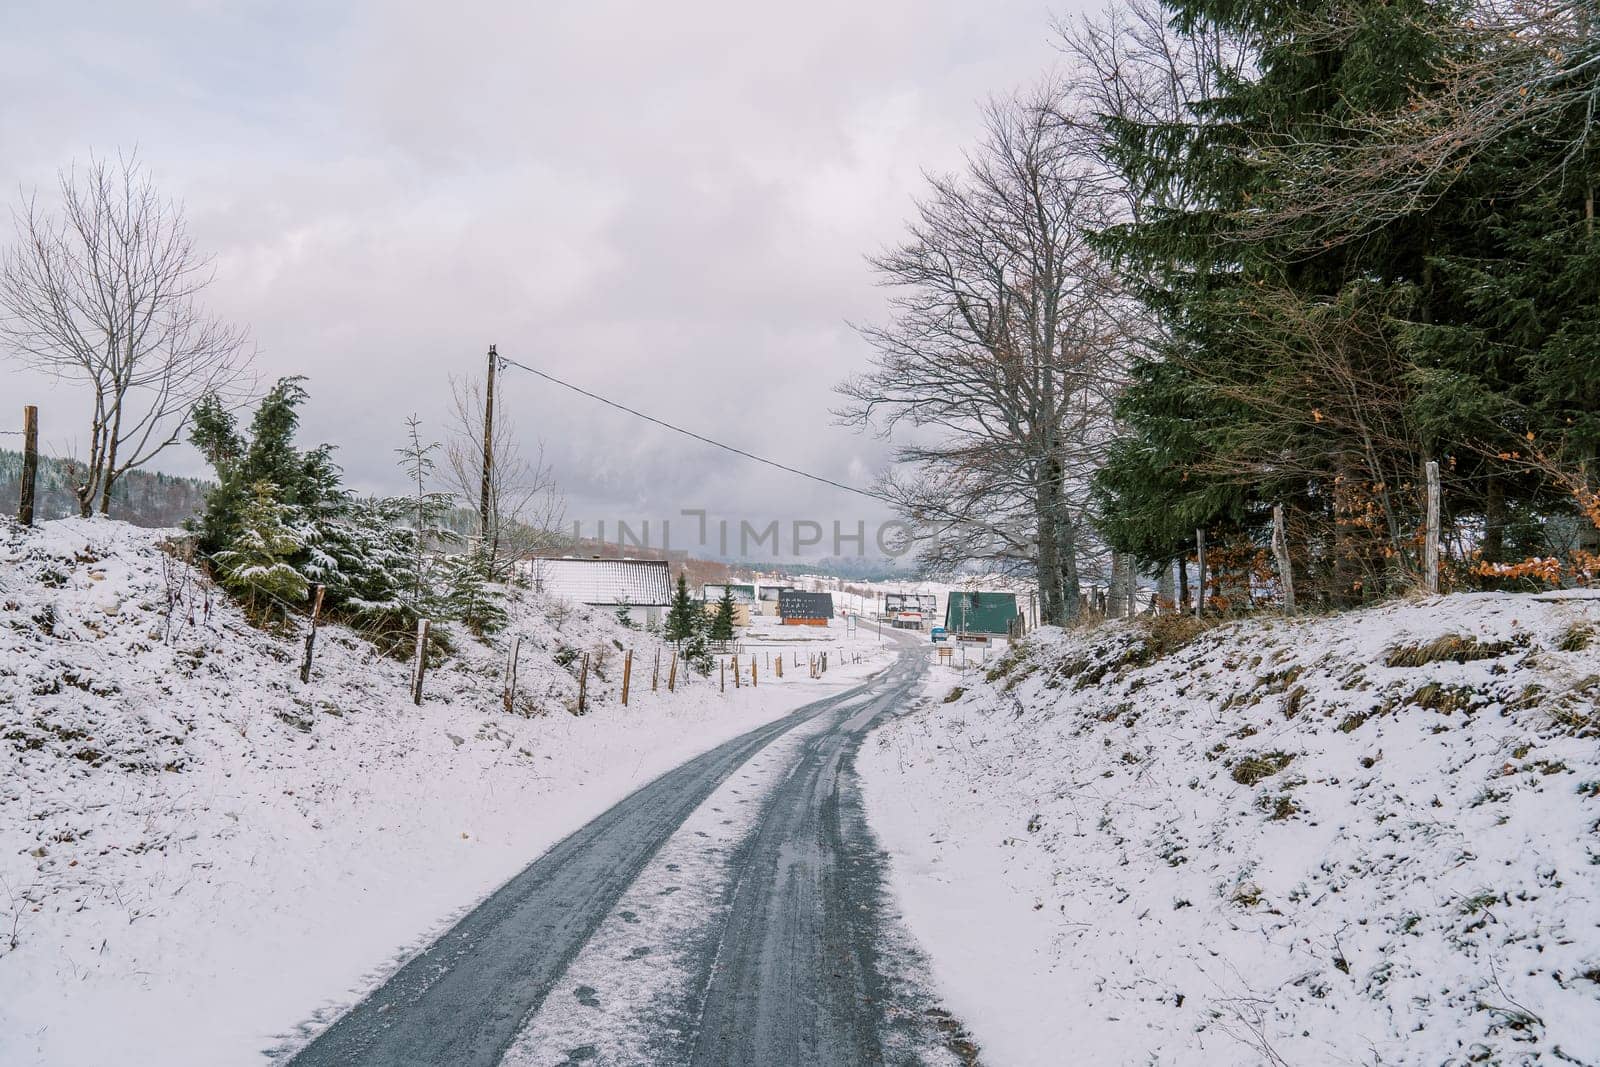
{"x": 697, "y": 648}
{"x": 722, "y": 621}
{"x": 1224, "y": 418}
{"x": 683, "y": 614}
{"x": 421, "y": 586}
{"x": 471, "y": 598}
{"x": 625, "y": 616}
{"x": 256, "y": 565}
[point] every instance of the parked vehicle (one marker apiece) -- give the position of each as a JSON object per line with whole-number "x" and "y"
{"x": 938, "y": 633}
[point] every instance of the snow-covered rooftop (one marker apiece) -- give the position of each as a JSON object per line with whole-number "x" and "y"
{"x": 642, "y": 582}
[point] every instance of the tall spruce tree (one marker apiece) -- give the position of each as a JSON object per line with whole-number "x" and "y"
{"x": 722, "y": 620}
{"x": 683, "y": 614}
{"x": 306, "y": 481}
{"x": 1278, "y": 377}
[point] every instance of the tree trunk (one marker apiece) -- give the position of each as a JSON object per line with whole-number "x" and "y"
{"x": 1589, "y": 533}
{"x": 108, "y": 470}
{"x": 1346, "y": 553}
{"x": 1117, "y": 594}
{"x": 111, "y": 465}
{"x": 1047, "y": 568}
{"x": 1071, "y": 595}
{"x": 1494, "y": 520}
{"x": 95, "y": 465}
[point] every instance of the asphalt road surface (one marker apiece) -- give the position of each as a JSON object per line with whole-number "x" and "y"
{"x": 801, "y": 961}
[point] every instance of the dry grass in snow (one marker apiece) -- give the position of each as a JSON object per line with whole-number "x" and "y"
{"x": 1365, "y": 839}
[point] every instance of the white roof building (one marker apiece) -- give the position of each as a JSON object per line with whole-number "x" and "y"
{"x": 644, "y": 584}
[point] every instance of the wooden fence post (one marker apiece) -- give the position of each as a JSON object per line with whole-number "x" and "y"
{"x": 1430, "y": 550}
{"x": 420, "y": 664}
{"x": 735, "y": 666}
{"x": 583, "y": 685}
{"x": 672, "y": 673}
{"x": 30, "y": 464}
{"x": 508, "y": 695}
{"x": 722, "y": 674}
{"x": 311, "y": 635}
{"x": 780, "y": 665}
{"x": 752, "y": 672}
{"x": 655, "y": 672}
{"x": 1280, "y": 550}
{"x": 1200, "y": 587}
{"x": 627, "y": 674}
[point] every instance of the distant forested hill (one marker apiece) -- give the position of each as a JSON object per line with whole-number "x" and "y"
{"x": 144, "y": 498}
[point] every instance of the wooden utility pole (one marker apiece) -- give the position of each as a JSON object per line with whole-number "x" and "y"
{"x": 1280, "y": 552}
{"x": 1200, "y": 576}
{"x": 420, "y": 663}
{"x": 30, "y": 464}
{"x": 627, "y": 674}
{"x": 1430, "y": 550}
{"x": 311, "y": 635}
{"x": 486, "y": 486}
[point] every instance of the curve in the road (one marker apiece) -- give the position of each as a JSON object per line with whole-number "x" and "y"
{"x": 461, "y": 1000}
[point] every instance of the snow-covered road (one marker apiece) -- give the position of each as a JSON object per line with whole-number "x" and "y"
{"x": 730, "y": 911}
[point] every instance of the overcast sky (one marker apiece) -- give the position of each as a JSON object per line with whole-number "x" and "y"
{"x": 666, "y": 203}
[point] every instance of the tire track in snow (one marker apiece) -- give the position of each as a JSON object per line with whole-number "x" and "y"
{"x": 760, "y": 933}
{"x": 812, "y": 965}
{"x": 616, "y": 1001}
{"x": 463, "y": 999}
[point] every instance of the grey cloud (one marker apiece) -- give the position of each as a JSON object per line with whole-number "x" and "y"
{"x": 669, "y": 204}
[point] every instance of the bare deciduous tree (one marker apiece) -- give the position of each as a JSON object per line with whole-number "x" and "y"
{"x": 1003, "y": 353}
{"x": 525, "y": 505}
{"x": 104, "y": 291}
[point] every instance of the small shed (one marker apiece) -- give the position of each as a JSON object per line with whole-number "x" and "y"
{"x": 980, "y": 613}
{"x": 743, "y": 606}
{"x": 644, "y": 585}
{"x": 799, "y": 608}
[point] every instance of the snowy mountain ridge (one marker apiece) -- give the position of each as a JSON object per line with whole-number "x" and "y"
{"x": 1363, "y": 839}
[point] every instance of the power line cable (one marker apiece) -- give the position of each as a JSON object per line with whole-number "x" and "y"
{"x": 934, "y": 510}
{"x": 699, "y": 437}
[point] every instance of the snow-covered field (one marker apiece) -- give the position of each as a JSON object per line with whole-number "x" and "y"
{"x": 1368, "y": 839}
{"x": 199, "y": 854}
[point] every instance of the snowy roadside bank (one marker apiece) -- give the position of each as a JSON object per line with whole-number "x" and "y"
{"x": 198, "y": 854}
{"x": 1363, "y": 839}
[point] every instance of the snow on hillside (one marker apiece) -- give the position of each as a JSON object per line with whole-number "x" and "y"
{"x": 1366, "y": 839}
{"x": 198, "y": 853}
